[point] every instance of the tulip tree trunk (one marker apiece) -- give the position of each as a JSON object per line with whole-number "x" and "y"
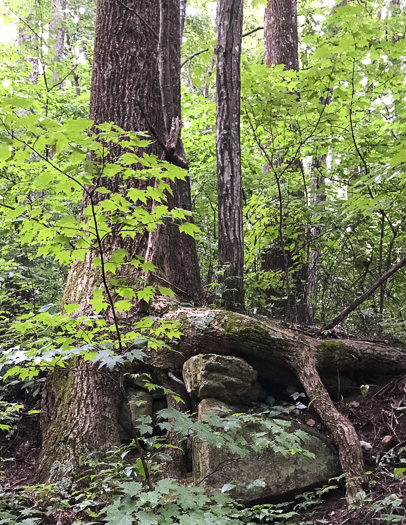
{"x": 281, "y": 35}
{"x": 81, "y": 405}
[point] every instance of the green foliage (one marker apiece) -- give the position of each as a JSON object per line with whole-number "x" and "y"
{"x": 343, "y": 117}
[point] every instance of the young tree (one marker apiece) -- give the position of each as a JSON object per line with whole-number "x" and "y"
{"x": 136, "y": 85}
{"x": 230, "y": 235}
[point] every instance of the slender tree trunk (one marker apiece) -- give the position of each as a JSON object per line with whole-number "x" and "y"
{"x": 317, "y": 195}
{"x": 281, "y": 37}
{"x": 82, "y": 408}
{"x": 230, "y": 204}
{"x": 281, "y": 47}
{"x": 183, "y": 4}
{"x": 57, "y": 30}
{"x": 32, "y": 41}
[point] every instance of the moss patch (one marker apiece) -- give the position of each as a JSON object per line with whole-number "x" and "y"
{"x": 235, "y": 324}
{"x": 332, "y": 348}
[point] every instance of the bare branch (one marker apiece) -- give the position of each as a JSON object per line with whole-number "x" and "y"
{"x": 351, "y": 307}
{"x": 191, "y": 57}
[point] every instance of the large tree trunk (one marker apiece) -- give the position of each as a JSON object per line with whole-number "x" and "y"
{"x": 80, "y": 412}
{"x": 81, "y": 407}
{"x": 230, "y": 213}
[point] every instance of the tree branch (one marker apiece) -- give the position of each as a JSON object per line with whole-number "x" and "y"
{"x": 248, "y": 33}
{"x": 351, "y": 307}
{"x": 191, "y": 57}
{"x": 170, "y": 156}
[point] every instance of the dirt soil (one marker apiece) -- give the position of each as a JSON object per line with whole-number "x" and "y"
{"x": 380, "y": 420}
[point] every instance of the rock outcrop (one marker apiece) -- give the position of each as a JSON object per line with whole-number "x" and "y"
{"x": 264, "y": 475}
{"x": 226, "y": 378}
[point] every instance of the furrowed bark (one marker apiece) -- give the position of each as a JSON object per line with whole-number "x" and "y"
{"x": 228, "y": 149}
{"x": 281, "y": 37}
{"x": 125, "y": 90}
{"x": 281, "y": 46}
{"x": 57, "y": 31}
{"x": 183, "y": 5}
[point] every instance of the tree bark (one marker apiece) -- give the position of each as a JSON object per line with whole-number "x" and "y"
{"x": 228, "y": 148}
{"x": 317, "y": 195}
{"x": 81, "y": 409}
{"x": 126, "y": 90}
{"x": 268, "y": 348}
{"x": 183, "y": 5}
{"x": 32, "y": 41}
{"x": 281, "y": 46}
{"x": 281, "y": 37}
{"x": 57, "y": 31}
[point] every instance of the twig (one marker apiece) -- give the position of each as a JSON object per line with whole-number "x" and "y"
{"x": 252, "y": 31}
{"x": 191, "y": 57}
{"x": 351, "y": 307}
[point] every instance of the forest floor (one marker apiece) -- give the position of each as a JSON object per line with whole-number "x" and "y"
{"x": 379, "y": 418}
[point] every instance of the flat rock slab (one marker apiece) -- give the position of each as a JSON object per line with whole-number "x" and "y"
{"x": 226, "y": 378}
{"x": 267, "y": 474}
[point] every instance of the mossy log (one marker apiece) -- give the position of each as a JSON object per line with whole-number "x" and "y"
{"x": 268, "y": 347}
{"x": 278, "y": 354}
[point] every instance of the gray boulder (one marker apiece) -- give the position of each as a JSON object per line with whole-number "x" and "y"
{"x": 139, "y": 404}
{"x": 226, "y": 378}
{"x": 267, "y": 474}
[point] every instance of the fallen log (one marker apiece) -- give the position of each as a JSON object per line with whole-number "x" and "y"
{"x": 282, "y": 354}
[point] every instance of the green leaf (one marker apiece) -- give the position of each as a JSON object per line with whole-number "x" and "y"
{"x": 70, "y": 308}
{"x": 189, "y": 228}
{"x": 123, "y": 305}
{"x": 399, "y": 472}
{"x": 399, "y": 157}
{"x": 77, "y": 124}
{"x": 166, "y": 291}
{"x": 146, "y": 294}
